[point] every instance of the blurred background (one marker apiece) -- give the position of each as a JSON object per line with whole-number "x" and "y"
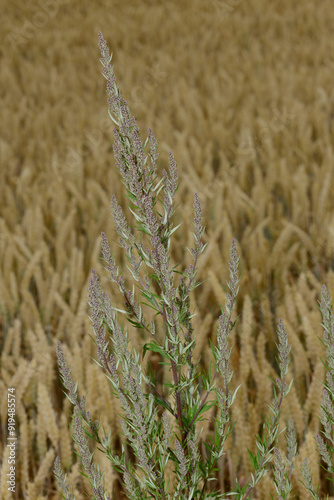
{"x": 242, "y": 92}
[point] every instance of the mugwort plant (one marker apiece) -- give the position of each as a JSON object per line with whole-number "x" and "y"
{"x": 160, "y": 425}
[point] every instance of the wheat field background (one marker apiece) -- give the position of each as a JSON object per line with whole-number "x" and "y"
{"x": 242, "y": 92}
